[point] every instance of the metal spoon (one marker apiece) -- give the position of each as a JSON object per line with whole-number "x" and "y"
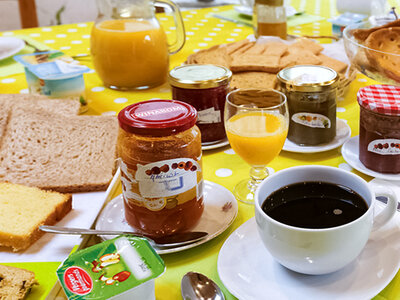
{"x": 196, "y": 286}
{"x": 173, "y": 240}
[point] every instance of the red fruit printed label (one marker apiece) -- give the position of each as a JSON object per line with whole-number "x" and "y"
{"x": 161, "y": 184}
{"x": 385, "y": 146}
{"x": 78, "y": 281}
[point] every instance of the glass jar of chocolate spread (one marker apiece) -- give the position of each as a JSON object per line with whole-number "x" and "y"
{"x": 159, "y": 148}
{"x": 205, "y": 87}
{"x": 379, "y": 140}
{"x": 311, "y": 95}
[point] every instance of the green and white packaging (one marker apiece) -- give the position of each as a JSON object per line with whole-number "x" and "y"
{"x": 121, "y": 268}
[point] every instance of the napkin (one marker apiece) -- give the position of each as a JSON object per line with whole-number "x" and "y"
{"x": 9, "y": 66}
{"x": 296, "y": 20}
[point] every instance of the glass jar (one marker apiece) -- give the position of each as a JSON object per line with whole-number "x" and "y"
{"x": 311, "y": 95}
{"x": 379, "y": 139}
{"x": 205, "y": 87}
{"x": 269, "y": 18}
{"x": 159, "y": 147}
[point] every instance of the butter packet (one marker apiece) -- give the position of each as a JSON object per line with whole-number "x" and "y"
{"x": 121, "y": 268}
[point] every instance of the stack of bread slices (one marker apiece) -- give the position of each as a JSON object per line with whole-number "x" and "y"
{"x": 48, "y": 151}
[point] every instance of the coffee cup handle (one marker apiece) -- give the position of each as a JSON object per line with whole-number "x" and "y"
{"x": 390, "y": 209}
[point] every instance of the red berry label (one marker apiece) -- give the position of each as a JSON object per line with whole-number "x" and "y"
{"x": 78, "y": 281}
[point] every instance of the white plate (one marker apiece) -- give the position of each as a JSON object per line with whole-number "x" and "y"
{"x": 248, "y": 271}
{"x": 248, "y": 11}
{"x": 350, "y": 155}
{"x": 220, "y": 144}
{"x": 220, "y": 210}
{"x": 10, "y": 46}
{"x": 56, "y": 247}
{"x": 343, "y": 133}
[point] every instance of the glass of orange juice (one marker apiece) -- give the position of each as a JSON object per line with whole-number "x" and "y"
{"x": 256, "y": 123}
{"x": 129, "y": 48}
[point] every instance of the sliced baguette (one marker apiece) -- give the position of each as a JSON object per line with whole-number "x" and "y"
{"x": 62, "y": 153}
{"x": 23, "y": 209}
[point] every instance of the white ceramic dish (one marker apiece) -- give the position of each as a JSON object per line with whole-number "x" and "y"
{"x": 343, "y": 133}
{"x": 248, "y": 271}
{"x": 350, "y": 155}
{"x": 220, "y": 144}
{"x": 248, "y": 11}
{"x": 220, "y": 210}
{"x": 10, "y": 46}
{"x": 56, "y": 247}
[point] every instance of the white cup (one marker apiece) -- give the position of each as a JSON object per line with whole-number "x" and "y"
{"x": 320, "y": 251}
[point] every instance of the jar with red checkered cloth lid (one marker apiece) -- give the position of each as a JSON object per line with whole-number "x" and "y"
{"x": 379, "y": 147}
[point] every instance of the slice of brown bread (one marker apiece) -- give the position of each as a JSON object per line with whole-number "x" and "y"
{"x": 337, "y": 65}
{"x": 23, "y": 209}
{"x": 216, "y": 55}
{"x": 307, "y": 44}
{"x": 253, "y": 80}
{"x": 56, "y": 152}
{"x": 8, "y": 101}
{"x": 255, "y": 62}
{"x": 15, "y": 283}
{"x": 61, "y": 106}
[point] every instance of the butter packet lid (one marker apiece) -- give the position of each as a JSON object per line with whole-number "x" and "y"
{"x": 51, "y": 65}
{"x": 109, "y": 268}
{"x": 347, "y": 18}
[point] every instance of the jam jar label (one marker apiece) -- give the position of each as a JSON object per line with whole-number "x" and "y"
{"x": 209, "y": 115}
{"x": 166, "y": 183}
{"x": 312, "y": 120}
{"x": 385, "y": 146}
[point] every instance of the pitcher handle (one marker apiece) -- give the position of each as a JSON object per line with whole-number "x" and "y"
{"x": 390, "y": 209}
{"x": 180, "y": 28}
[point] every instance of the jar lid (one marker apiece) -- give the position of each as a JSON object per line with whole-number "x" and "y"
{"x": 308, "y": 78}
{"x": 380, "y": 98}
{"x": 199, "y": 76}
{"x": 157, "y": 117}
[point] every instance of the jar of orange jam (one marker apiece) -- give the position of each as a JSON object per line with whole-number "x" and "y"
{"x": 159, "y": 147}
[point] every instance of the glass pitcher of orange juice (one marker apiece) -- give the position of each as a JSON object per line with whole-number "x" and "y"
{"x": 128, "y": 46}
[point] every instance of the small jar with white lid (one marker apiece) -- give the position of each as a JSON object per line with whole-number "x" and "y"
{"x": 311, "y": 95}
{"x": 205, "y": 87}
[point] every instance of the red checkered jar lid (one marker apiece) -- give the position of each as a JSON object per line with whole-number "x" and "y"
{"x": 380, "y": 98}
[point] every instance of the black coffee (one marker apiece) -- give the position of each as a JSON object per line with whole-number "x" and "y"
{"x": 314, "y": 205}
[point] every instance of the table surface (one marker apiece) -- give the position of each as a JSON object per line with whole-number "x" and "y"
{"x": 221, "y": 166}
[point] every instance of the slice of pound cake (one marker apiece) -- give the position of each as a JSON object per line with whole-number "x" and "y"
{"x": 23, "y": 209}
{"x": 15, "y": 283}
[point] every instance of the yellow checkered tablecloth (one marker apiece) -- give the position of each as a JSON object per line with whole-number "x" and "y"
{"x": 221, "y": 165}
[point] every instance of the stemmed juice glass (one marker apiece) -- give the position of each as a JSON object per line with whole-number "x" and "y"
{"x": 256, "y": 123}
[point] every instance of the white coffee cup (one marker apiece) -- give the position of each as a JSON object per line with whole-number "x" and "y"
{"x": 320, "y": 251}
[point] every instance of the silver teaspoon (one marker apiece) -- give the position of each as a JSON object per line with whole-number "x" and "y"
{"x": 196, "y": 286}
{"x": 173, "y": 240}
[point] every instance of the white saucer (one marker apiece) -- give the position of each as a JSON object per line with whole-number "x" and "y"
{"x": 248, "y": 11}
{"x": 220, "y": 210}
{"x": 248, "y": 271}
{"x": 10, "y": 46}
{"x": 350, "y": 155}
{"x": 343, "y": 133}
{"x": 220, "y": 144}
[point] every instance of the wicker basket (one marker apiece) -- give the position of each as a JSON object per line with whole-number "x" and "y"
{"x": 344, "y": 81}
